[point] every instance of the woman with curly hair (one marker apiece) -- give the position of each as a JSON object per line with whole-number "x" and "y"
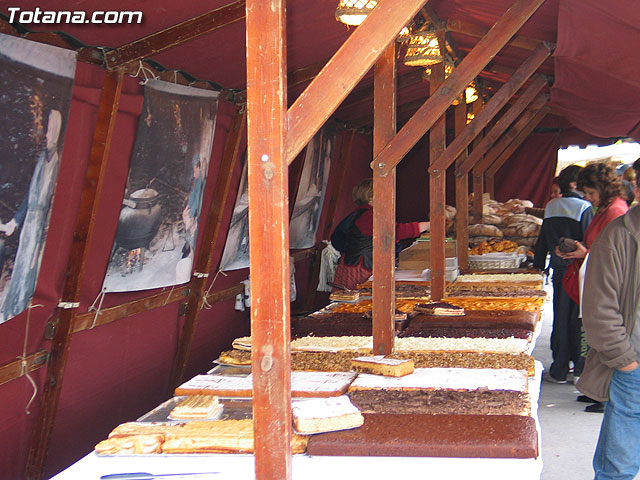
{"x": 603, "y": 188}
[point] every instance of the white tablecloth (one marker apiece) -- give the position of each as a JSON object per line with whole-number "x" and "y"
{"x": 305, "y": 467}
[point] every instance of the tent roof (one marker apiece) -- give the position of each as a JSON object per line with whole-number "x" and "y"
{"x": 595, "y": 67}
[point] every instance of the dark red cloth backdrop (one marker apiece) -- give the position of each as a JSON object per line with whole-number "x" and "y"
{"x": 597, "y": 75}
{"x": 528, "y": 173}
{"x": 117, "y": 371}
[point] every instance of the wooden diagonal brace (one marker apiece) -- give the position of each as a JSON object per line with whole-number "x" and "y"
{"x": 469, "y": 68}
{"x": 531, "y": 98}
{"x": 175, "y": 35}
{"x": 474, "y": 30}
{"x": 493, "y": 106}
{"x": 517, "y": 141}
{"x": 345, "y": 69}
{"x": 510, "y": 135}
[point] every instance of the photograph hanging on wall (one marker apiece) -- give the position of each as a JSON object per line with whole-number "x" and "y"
{"x": 236, "y": 248}
{"x": 155, "y": 241}
{"x": 36, "y": 81}
{"x": 313, "y": 185}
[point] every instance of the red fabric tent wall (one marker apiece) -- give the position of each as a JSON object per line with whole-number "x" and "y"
{"x": 597, "y": 81}
{"x": 528, "y": 173}
{"x": 120, "y": 370}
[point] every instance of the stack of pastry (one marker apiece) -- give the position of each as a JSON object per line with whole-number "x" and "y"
{"x": 345, "y": 296}
{"x": 197, "y": 406}
{"x": 442, "y": 309}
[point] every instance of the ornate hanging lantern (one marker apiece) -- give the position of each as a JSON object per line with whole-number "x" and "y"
{"x": 353, "y": 12}
{"x": 423, "y": 48}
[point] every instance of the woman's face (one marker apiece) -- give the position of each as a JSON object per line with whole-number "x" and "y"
{"x": 555, "y": 191}
{"x": 592, "y": 195}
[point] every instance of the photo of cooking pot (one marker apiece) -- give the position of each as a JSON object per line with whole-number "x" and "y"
{"x": 140, "y": 219}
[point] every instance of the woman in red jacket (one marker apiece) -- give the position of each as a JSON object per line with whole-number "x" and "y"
{"x": 356, "y": 263}
{"x": 603, "y": 188}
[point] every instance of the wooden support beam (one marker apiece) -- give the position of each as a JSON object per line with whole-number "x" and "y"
{"x": 78, "y": 260}
{"x": 517, "y": 141}
{"x": 437, "y": 198}
{"x": 437, "y": 104}
{"x": 478, "y": 31}
{"x": 495, "y": 105}
{"x": 531, "y": 98}
{"x": 506, "y": 139}
{"x": 345, "y": 69}
{"x": 226, "y": 294}
{"x": 176, "y": 35}
{"x": 269, "y": 232}
{"x": 430, "y": 15}
{"x": 13, "y": 370}
{"x": 340, "y": 166}
{"x": 462, "y": 191}
{"x": 490, "y": 187}
{"x": 89, "y": 320}
{"x": 209, "y": 240}
{"x": 477, "y": 183}
{"x": 384, "y": 207}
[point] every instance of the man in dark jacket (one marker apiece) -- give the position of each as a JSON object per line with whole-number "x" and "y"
{"x": 611, "y": 308}
{"x": 567, "y": 216}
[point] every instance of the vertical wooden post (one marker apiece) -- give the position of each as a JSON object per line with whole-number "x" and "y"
{"x": 269, "y": 234}
{"x": 211, "y": 230}
{"x": 489, "y": 185}
{"x": 437, "y": 194}
{"x": 384, "y": 206}
{"x": 79, "y": 257}
{"x": 478, "y": 180}
{"x": 462, "y": 191}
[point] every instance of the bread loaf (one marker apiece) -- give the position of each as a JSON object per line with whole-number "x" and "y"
{"x": 484, "y": 230}
{"x": 521, "y": 218}
{"x": 525, "y": 229}
{"x": 491, "y": 219}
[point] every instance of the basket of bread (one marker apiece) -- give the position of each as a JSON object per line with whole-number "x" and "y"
{"x": 492, "y": 255}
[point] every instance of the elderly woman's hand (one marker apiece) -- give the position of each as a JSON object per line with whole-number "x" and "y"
{"x": 579, "y": 252}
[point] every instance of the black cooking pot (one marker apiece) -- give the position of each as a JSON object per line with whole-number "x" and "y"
{"x": 140, "y": 219}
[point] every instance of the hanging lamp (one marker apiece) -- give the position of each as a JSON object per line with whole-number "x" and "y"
{"x": 353, "y": 12}
{"x": 448, "y": 69}
{"x": 470, "y": 94}
{"x": 423, "y": 48}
